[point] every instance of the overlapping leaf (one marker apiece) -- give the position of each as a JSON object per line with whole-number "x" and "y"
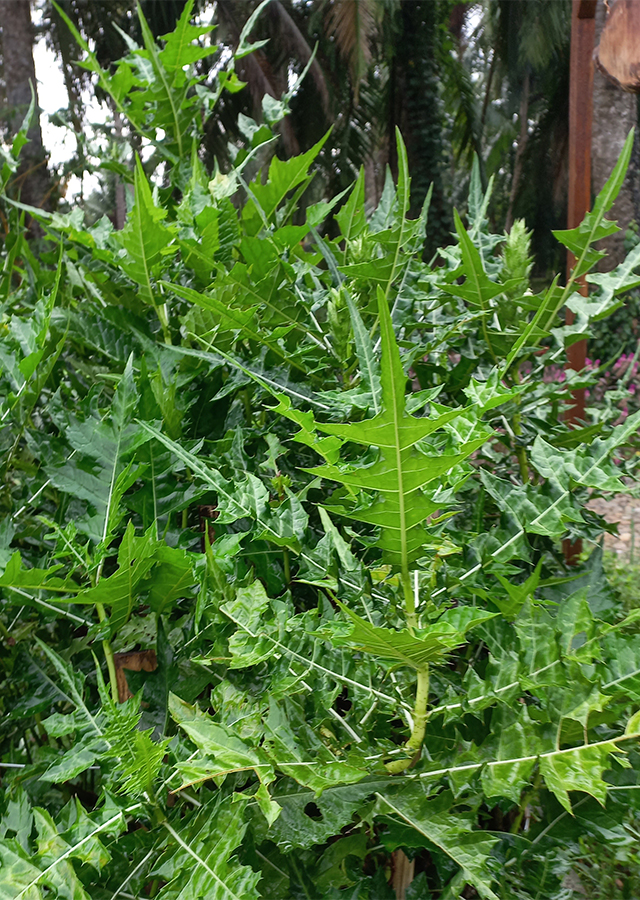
{"x": 401, "y": 470}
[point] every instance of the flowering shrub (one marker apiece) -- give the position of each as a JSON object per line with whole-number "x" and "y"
{"x": 617, "y": 387}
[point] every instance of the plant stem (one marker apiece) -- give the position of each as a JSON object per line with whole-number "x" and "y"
{"x": 409, "y": 600}
{"x": 523, "y": 464}
{"x": 161, "y": 312}
{"x": 422, "y": 687}
{"x": 414, "y": 743}
{"x": 4, "y": 631}
{"x": 108, "y": 655}
{"x": 526, "y": 800}
{"x": 287, "y": 566}
{"x": 521, "y": 452}
{"x": 246, "y": 403}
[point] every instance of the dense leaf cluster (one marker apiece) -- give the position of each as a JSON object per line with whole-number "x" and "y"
{"x": 282, "y": 583}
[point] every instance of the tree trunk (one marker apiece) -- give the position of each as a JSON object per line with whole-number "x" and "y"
{"x": 32, "y": 181}
{"x": 121, "y": 200}
{"x": 522, "y": 145}
{"x": 255, "y": 70}
{"x": 614, "y": 114}
{"x": 415, "y": 107}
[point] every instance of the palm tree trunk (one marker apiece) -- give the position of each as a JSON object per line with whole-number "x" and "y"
{"x": 33, "y": 180}
{"x": 415, "y": 108}
{"x": 614, "y": 114}
{"x": 522, "y": 145}
{"x": 254, "y": 70}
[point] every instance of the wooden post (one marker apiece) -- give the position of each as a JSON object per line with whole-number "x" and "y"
{"x": 403, "y": 873}
{"x": 583, "y": 27}
{"x": 134, "y": 661}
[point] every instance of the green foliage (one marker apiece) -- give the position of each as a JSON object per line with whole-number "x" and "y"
{"x": 624, "y": 575}
{"x": 619, "y": 333}
{"x": 309, "y": 494}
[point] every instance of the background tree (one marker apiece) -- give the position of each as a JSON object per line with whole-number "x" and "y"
{"x": 32, "y": 181}
{"x": 459, "y": 79}
{"x": 525, "y": 111}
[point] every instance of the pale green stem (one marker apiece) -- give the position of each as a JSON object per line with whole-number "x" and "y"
{"x": 108, "y": 655}
{"x": 487, "y": 340}
{"x": 523, "y": 463}
{"x": 409, "y": 600}
{"x": 414, "y": 743}
{"x": 526, "y": 800}
{"x": 161, "y": 312}
{"x": 521, "y": 453}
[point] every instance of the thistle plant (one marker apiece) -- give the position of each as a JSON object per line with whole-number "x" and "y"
{"x": 281, "y": 580}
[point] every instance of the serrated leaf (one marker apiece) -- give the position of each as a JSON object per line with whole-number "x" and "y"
{"x": 243, "y": 321}
{"x": 337, "y": 804}
{"x": 431, "y": 818}
{"x": 312, "y": 765}
{"x": 590, "y": 465}
{"x": 18, "y": 876}
{"x": 578, "y": 769}
{"x": 594, "y": 226}
{"x": 401, "y": 471}
{"x": 200, "y": 862}
{"x": 120, "y": 590}
{"x": 369, "y": 366}
{"x": 15, "y": 576}
{"x": 351, "y": 217}
{"x": 144, "y": 238}
{"x": 170, "y": 579}
{"x": 52, "y": 849}
{"x": 284, "y": 176}
{"x": 219, "y": 742}
{"x": 416, "y": 649}
{"x": 478, "y": 289}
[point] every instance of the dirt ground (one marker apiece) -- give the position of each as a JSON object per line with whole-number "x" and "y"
{"x": 625, "y": 511}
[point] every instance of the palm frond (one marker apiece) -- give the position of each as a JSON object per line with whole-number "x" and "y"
{"x": 298, "y": 47}
{"x": 353, "y": 23}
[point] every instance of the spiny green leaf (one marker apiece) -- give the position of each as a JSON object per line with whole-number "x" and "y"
{"x": 200, "y": 861}
{"x": 228, "y": 751}
{"x": 145, "y": 238}
{"x": 594, "y": 226}
{"x": 351, "y": 217}
{"x": 416, "y": 649}
{"x": 452, "y": 834}
{"x": 580, "y": 769}
{"x": 401, "y": 470}
{"x": 15, "y": 576}
{"x": 369, "y": 367}
{"x": 284, "y": 176}
{"x": 589, "y": 465}
{"x": 316, "y": 767}
{"x": 337, "y": 804}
